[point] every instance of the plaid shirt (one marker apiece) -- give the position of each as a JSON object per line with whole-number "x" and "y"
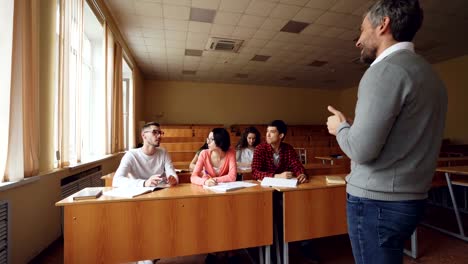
{"x": 264, "y": 166}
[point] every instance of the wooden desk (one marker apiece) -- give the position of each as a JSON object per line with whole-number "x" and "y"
{"x": 313, "y": 210}
{"x": 450, "y": 161}
{"x": 166, "y": 223}
{"x": 449, "y": 171}
{"x": 310, "y": 169}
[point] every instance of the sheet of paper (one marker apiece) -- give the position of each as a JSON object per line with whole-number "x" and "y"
{"x": 278, "y": 182}
{"x": 229, "y": 186}
{"x": 128, "y": 192}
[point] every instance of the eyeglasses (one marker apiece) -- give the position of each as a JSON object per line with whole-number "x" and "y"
{"x": 209, "y": 140}
{"x": 156, "y": 132}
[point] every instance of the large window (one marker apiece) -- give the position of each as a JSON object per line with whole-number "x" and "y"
{"x": 80, "y": 103}
{"x": 127, "y": 95}
{"x": 6, "y": 41}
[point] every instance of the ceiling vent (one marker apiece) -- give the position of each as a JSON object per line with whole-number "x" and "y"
{"x": 223, "y": 44}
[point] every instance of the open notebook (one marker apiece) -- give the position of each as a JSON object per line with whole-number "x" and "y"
{"x": 229, "y": 186}
{"x": 130, "y": 192}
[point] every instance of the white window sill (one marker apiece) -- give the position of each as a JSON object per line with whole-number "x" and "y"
{"x": 10, "y": 185}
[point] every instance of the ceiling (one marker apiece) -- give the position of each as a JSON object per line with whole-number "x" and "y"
{"x": 164, "y": 36}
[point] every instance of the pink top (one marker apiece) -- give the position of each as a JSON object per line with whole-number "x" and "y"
{"x": 204, "y": 169}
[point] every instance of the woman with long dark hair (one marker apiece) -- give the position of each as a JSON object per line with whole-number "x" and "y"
{"x": 250, "y": 138}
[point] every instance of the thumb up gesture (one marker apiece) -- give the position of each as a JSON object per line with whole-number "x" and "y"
{"x": 334, "y": 120}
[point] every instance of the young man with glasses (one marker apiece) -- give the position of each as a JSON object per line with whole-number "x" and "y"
{"x": 146, "y": 166}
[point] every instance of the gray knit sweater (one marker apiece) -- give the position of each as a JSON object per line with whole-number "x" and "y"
{"x": 395, "y": 139}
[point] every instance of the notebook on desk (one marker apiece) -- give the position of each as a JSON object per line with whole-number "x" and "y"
{"x": 334, "y": 180}
{"x": 229, "y": 186}
{"x": 88, "y": 193}
{"x": 130, "y": 192}
{"x": 279, "y": 182}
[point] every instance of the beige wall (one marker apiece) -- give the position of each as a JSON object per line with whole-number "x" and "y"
{"x": 454, "y": 73}
{"x": 214, "y": 103}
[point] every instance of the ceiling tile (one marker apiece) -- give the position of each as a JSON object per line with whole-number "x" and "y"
{"x": 308, "y": 15}
{"x": 175, "y": 44}
{"x": 175, "y": 51}
{"x": 256, "y": 43}
{"x": 273, "y": 24}
{"x": 192, "y": 52}
{"x": 346, "y": 6}
{"x": 151, "y": 22}
{"x": 217, "y": 30}
{"x": 260, "y": 8}
{"x": 208, "y": 4}
{"x": 238, "y": 6}
{"x": 178, "y": 25}
{"x": 243, "y": 32}
{"x": 264, "y": 34}
{"x": 148, "y": 9}
{"x": 227, "y": 18}
{"x": 178, "y": 2}
{"x": 332, "y": 32}
{"x": 251, "y": 21}
{"x": 294, "y": 26}
{"x": 193, "y": 36}
{"x": 154, "y": 41}
{"x": 199, "y": 27}
{"x": 176, "y": 35}
{"x": 363, "y": 8}
{"x": 339, "y": 20}
{"x": 285, "y": 11}
{"x": 295, "y": 2}
{"x": 199, "y": 45}
{"x": 286, "y": 37}
{"x": 176, "y": 12}
{"x": 154, "y": 33}
{"x": 314, "y": 30}
{"x": 202, "y": 15}
{"x": 321, "y": 4}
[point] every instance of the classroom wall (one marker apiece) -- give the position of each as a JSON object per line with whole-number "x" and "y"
{"x": 35, "y": 221}
{"x": 173, "y": 102}
{"x": 454, "y": 74}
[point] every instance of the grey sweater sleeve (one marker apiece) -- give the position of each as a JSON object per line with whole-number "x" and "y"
{"x": 381, "y": 96}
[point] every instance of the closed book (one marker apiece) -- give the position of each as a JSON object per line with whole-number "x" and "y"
{"x": 334, "y": 180}
{"x": 88, "y": 193}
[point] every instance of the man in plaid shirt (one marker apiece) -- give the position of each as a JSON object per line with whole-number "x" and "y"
{"x": 274, "y": 158}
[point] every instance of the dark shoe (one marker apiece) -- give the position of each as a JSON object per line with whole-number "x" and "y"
{"x": 211, "y": 259}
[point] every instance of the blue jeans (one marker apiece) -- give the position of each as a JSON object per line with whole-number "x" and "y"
{"x": 379, "y": 229}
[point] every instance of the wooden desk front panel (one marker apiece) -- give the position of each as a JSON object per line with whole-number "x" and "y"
{"x": 149, "y": 229}
{"x": 314, "y": 213}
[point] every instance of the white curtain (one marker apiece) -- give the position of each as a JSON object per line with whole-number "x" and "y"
{"x": 70, "y": 56}
{"x": 19, "y": 110}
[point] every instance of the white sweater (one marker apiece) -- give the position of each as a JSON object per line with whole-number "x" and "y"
{"x": 136, "y": 167}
